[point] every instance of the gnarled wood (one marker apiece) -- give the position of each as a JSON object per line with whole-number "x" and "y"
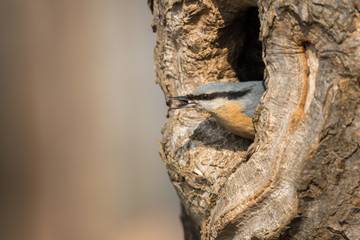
{"x": 300, "y": 178}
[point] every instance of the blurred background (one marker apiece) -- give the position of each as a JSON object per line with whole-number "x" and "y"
{"x": 80, "y": 120}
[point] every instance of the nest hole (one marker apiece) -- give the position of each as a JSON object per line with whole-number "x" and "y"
{"x": 241, "y": 37}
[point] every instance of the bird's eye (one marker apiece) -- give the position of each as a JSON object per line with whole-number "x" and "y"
{"x": 205, "y": 96}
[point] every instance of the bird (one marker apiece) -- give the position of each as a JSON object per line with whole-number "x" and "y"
{"x": 232, "y": 104}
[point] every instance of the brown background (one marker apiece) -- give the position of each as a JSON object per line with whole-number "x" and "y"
{"x": 80, "y": 118}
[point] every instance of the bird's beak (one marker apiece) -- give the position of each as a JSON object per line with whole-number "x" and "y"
{"x": 180, "y": 98}
{"x": 184, "y": 102}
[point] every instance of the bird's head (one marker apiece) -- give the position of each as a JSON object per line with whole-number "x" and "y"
{"x": 211, "y": 96}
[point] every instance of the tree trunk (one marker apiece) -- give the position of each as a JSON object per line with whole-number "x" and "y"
{"x": 300, "y": 177}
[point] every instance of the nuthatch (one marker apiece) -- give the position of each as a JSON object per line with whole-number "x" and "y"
{"x": 231, "y": 104}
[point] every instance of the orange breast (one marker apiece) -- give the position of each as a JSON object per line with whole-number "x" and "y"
{"x": 232, "y": 118}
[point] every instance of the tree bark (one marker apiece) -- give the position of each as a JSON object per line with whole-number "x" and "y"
{"x": 300, "y": 177}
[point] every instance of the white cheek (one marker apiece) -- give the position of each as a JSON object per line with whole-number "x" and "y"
{"x": 212, "y": 105}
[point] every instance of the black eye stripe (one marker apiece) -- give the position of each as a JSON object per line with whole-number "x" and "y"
{"x": 239, "y": 94}
{"x": 229, "y": 95}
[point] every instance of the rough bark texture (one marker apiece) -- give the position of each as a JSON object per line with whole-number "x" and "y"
{"x": 300, "y": 178}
